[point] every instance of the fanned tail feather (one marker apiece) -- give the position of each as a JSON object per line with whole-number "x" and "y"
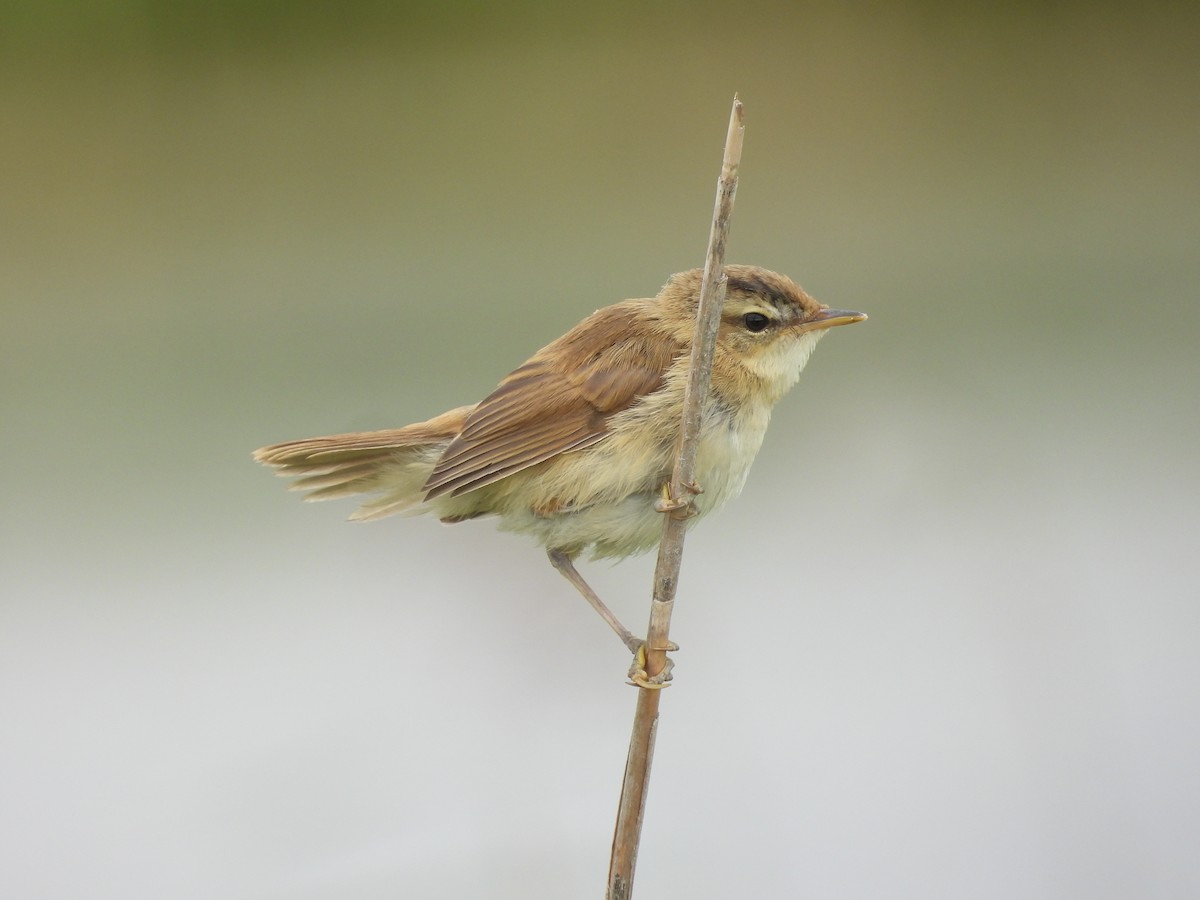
{"x": 393, "y": 463}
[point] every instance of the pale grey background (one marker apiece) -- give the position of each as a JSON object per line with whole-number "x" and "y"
{"x": 945, "y": 644}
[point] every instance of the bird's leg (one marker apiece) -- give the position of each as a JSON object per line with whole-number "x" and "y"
{"x": 561, "y": 561}
{"x": 638, "y": 676}
{"x": 680, "y": 507}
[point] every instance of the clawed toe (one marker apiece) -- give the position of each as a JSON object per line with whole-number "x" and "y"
{"x": 670, "y": 504}
{"x": 639, "y": 677}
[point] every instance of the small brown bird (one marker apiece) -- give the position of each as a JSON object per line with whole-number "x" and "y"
{"x": 575, "y": 446}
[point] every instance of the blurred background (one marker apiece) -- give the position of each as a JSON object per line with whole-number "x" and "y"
{"x": 946, "y": 643}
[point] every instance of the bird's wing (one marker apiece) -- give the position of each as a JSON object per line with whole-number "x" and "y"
{"x": 559, "y": 401}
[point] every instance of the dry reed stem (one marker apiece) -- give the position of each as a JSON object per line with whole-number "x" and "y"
{"x": 670, "y": 552}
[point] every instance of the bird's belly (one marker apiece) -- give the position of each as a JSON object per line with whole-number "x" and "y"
{"x": 617, "y": 529}
{"x": 625, "y": 521}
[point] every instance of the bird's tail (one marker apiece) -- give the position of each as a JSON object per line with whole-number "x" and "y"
{"x": 394, "y": 464}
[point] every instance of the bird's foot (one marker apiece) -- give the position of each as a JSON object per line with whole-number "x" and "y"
{"x": 639, "y": 677}
{"x": 680, "y": 507}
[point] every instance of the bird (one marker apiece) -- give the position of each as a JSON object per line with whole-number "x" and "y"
{"x": 575, "y": 447}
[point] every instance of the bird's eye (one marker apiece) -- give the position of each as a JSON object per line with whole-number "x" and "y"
{"x": 755, "y": 321}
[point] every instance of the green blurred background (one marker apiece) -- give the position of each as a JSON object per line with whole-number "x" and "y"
{"x": 944, "y": 646}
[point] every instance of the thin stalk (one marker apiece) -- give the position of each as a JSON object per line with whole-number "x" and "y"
{"x": 670, "y": 552}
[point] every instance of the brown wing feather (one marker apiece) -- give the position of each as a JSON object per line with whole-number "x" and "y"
{"x": 559, "y": 401}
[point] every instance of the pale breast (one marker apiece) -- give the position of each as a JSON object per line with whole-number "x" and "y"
{"x": 728, "y": 446}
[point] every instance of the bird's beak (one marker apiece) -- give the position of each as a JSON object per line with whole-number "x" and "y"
{"x": 828, "y": 318}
